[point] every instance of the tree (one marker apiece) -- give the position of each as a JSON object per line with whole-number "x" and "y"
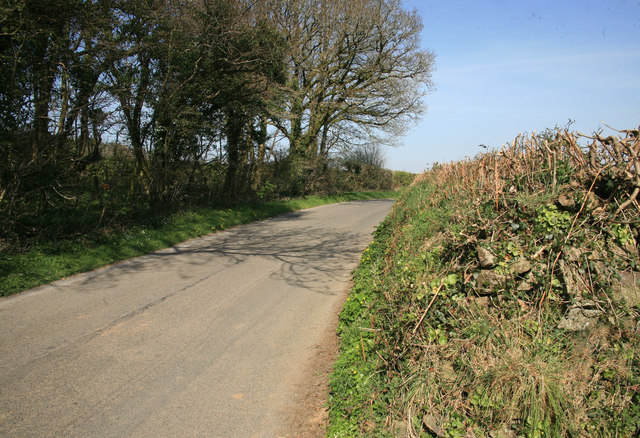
{"x": 356, "y": 71}
{"x": 254, "y": 79}
{"x": 370, "y": 154}
{"x": 50, "y": 63}
{"x": 187, "y": 72}
{"x": 236, "y": 89}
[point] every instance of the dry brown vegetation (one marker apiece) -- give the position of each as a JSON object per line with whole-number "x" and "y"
{"x": 540, "y": 161}
{"x": 502, "y": 296}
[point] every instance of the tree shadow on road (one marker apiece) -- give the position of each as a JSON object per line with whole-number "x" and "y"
{"x": 310, "y": 257}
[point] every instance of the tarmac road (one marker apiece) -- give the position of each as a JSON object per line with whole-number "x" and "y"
{"x": 205, "y": 339}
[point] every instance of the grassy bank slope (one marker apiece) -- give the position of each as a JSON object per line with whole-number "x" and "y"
{"x": 500, "y": 299}
{"x": 50, "y": 261}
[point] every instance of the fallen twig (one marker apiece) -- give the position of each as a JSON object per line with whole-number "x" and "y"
{"x": 428, "y": 307}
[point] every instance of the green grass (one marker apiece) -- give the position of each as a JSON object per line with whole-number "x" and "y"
{"x": 362, "y": 396}
{"x": 47, "y": 262}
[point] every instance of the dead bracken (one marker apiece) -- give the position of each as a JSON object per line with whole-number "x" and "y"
{"x": 504, "y": 296}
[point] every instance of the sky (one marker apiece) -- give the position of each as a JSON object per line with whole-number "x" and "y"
{"x": 505, "y": 67}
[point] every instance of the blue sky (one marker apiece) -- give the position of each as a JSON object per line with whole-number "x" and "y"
{"x": 504, "y": 67}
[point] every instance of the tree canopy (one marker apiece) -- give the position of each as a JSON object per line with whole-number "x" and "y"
{"x": 223, "y": 97}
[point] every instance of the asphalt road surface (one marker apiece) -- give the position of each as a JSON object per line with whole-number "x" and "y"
{"x": 205, "y": 339}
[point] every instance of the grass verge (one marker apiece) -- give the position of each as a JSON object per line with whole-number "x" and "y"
{"x": 365, "y": 382}
{"x": 50, "y": 261}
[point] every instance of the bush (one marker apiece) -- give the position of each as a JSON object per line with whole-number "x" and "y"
{"x": 402, "y": 179}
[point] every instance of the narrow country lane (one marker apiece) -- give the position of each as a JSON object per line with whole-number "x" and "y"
{"x": 205, "y": 339}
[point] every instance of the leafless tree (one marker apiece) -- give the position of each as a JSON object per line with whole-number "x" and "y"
{"x": 356, "y": 70}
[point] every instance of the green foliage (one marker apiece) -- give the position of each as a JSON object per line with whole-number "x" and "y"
{"x": 266, "y": 191}
{"x": 359, "y": 407}
{"x": 402, "y": 179}
{"x": 552, "y": 221}
{"x": 354, "y": 379}
{"x": 622, "y": 234}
